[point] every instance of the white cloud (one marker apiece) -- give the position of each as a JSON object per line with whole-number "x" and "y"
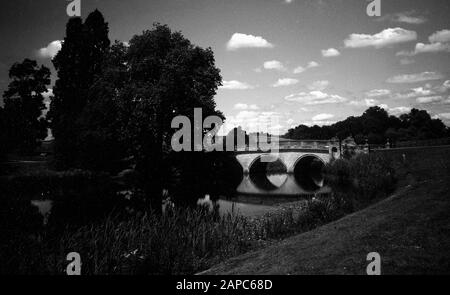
{"x": 368, "y": 102}
{"x": 235, "y": 85}
{"x": 386, "y": 37}
{"x": 433, "y": 47}
{"x": 414, "y": 78}
{"x": 425, "y": 48}
{"x": 429, "y": 99}
{"x": 274, "y": 65}
{"x": 315, "y": 98}
{"x": 299, "y": 70}
{"x": 440, "y": 36}
{"x": 253, "y": 121}
{"x": 322, "y": 117}
{"x": 398, "y": 110}
{"x": 288, "y": 1}
{"x": 239, "y": 40}
{"x": 407, "y": 17}
{"x": 378, "y": 92}
{"x": 244, "y": 106}
{"x": 310, "y": 65}
{"x": 319, "y": 85}
{"x": 445, "y": 116}
{"x": 50, "y": 50}
{"x": 330, "y": 52}
{"x": 285, "y": 82}
{"x": 422, "y": 91}
{"x": 438, "y": 43}
{"x": 415, "y": 20}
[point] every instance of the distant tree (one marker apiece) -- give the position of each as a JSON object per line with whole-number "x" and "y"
{"x": 77, "y": 64}
{"x": 377, "y": 126}
{"x": 24, "y": 104}
{"x": 421, "y": 124}
{"x": 167, "y": 76}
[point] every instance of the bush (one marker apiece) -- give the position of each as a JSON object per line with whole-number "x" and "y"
{"x": 362, "y": 178}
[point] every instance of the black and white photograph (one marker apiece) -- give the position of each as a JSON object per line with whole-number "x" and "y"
{"x": 237, "y": 139}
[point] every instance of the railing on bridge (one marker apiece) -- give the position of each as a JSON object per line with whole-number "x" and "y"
{"x": 286, "y": 144}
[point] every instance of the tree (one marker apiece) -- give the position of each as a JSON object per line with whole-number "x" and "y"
{"x": 377, "y": 126}
{"x": 24, "y": 104}
{"x": 99, "y": 141}
{"x": 3, "y": 135}
{"x": 167, "y": 76}
{"x": 77, "y": 64}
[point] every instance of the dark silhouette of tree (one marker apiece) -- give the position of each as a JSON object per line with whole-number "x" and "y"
{"x": 376, "y": 126}
{"x": 24, "y": 104}
{"x": 4, "y": 144}
{"x": 166, "y": 76}
{"x": 100, "y": 141}
{"x": 77, "y": 64}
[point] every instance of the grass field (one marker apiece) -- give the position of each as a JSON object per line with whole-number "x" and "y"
{"x": 410, "y": 230}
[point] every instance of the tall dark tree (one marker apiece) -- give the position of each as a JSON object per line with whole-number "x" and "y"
{"x": 77, "y": 64}
{"x": 100, "y": 143}
{"x": 24, "y": 104}
{"x": 167, "y": 76}
{"x": 3, "y": 134}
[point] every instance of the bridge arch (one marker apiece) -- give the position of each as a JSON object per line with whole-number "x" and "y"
{"x": 272, "y": 156}
{"x": 268, "y": 175}
{"x": 308, "y": 171}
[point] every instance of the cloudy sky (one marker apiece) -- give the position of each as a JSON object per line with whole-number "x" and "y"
{"x": 289, "y": 62}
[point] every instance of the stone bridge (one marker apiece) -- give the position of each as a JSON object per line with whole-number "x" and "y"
{"x": 290, "y": 153}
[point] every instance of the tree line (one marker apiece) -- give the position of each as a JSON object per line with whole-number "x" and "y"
{"x": 376, "y": 126}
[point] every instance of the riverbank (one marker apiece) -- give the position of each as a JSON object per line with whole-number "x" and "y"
{"x": 410, "y": 230}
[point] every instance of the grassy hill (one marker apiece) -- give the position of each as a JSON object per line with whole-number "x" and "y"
{"x": 410, "y": 230}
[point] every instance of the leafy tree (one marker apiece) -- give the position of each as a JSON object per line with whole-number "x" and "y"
{"x": 77, "y": 63}
{"x": 24, "y": 104}
{"x": 166, "y": 76}
{"x": 99, "y": 141}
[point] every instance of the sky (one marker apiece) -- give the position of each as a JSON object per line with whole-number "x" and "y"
{"x": 283, "y": 62}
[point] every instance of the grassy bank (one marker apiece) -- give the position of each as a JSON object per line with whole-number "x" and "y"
{"x": 409, "y": 229}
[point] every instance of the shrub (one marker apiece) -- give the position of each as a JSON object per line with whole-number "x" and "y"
{"x": 362, "y": 178}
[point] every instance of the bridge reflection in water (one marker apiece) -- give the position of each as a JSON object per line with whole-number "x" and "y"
{"x": 293, "y": 172}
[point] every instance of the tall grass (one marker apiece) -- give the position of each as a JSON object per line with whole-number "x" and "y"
{"x": 180, "y": 241}
{"x": 363, "y": 178}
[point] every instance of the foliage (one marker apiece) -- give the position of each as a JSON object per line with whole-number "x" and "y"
{"x": 139, "y": 244}
{"x": 166, "y": 76}
{"x": 363, "y": 178}
{"x": 377, "y": 126}
{"x": 22, "y": 121}
{"x": 77, "y": 64}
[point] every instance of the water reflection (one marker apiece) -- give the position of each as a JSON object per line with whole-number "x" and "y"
{"x": 268, "y": 186}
